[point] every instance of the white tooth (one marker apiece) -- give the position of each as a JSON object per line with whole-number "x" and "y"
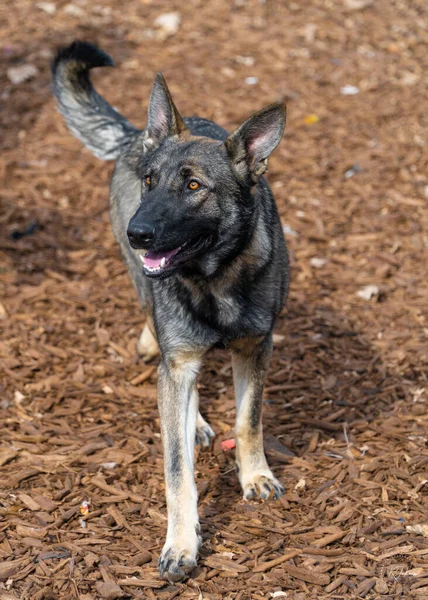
{"x": 163, "y": 262}
{"x": 141, "y": 257}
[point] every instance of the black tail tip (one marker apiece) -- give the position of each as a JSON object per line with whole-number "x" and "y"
{"x": 85, "y": 53}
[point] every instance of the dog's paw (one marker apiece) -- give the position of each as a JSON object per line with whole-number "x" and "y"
{"x": 176, "y": 564}
{"x": 204, "y": 432}
{"x": 263, "y": 487}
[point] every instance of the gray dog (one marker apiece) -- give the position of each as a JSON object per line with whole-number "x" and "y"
{"x": 199, "y": 230}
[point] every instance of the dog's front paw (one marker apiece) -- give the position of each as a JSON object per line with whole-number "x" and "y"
{"x": 204, "y": 432}
{"x": 262, "y": 486}
{"x": 176, "y": 563}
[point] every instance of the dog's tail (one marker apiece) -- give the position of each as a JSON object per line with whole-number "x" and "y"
{"x": 90, "y": 118}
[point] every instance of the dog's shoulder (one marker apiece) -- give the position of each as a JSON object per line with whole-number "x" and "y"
{"x": 205, "y": 128}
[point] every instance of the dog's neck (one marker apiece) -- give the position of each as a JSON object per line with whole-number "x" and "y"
{"x": 245, "y": 260}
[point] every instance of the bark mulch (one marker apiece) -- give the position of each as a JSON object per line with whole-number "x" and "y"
{"x": 82, "y": 510}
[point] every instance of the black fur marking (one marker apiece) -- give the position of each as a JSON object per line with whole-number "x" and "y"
{"x": 175, "y": 465}
{"x": 205, "y": 128}
{"x": 256, "y": 406}
{"x": 175, "y": 568}
{"x": 87, "y": 55}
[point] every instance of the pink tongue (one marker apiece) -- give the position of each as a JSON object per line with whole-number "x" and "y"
{"x": 154, "y": 259}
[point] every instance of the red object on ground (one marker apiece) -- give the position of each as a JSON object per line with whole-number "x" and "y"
{"x": 228, "y": 444}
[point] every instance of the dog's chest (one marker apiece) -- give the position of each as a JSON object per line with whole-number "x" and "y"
{"x": 226, "y": 311}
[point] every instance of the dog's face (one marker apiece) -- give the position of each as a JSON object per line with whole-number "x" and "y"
{"x": 196, "y": 196}
{"x": 187, "y": 192}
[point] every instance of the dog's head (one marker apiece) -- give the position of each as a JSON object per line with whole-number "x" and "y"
{"x": 198, "y": 199}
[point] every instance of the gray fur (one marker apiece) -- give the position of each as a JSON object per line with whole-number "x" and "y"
{"x": 228, "y": 289}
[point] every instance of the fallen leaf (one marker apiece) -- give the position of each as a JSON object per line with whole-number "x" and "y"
{"x": 311, "y": 119}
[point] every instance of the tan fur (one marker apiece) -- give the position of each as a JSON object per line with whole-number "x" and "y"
{"x": 249, "y": 371}
{"x": 178, "y": 399}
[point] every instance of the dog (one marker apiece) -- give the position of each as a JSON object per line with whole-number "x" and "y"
{"x": 199, "y": 229}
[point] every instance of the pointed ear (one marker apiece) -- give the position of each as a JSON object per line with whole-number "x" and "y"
{"x": 253, "y": 142}
{"x": 164, "y": 119}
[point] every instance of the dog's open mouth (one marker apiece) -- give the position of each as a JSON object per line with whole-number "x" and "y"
{"x": 159, "y": 264}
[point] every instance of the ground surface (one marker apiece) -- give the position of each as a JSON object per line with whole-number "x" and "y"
{"x": 345, "y": 413}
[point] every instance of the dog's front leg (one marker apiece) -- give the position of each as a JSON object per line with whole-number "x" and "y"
{"x": 250, "y": 363}
{"x": 178, "y": 407}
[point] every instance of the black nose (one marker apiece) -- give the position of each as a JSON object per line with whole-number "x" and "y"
{"x": 140, "y": 234}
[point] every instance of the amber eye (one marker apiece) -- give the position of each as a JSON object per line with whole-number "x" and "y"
{"x": 194, "y": 185}
{"x": 148, "y": 180}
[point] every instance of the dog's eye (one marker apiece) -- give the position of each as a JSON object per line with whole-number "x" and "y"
{"x": 193, "y": 185}
{"x": 148, "y": 181}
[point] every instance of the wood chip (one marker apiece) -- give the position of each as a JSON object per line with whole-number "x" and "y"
{"x": 146, "y": 583}
{"x": 275, "y": 562}
{"x": 224, "y": 564}
{"x": 344, "y": 409}
{"x": 329, "y": 539}
{"x": 109, "y": 590}
{"x": 307, "y": 576}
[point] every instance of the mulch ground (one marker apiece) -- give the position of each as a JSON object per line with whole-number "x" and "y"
{"x": 82, "y": 511}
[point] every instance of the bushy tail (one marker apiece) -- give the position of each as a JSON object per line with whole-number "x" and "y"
{"x": 89, "y": 117}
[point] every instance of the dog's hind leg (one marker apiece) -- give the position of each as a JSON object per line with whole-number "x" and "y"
{"x": 178, "y": 407}
{"x": 204, "y": 432}
{"x": 250, "y": 363}
{"x": 147, "y": 345}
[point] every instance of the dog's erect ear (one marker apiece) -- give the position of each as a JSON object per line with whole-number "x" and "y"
{"x": 253, "y": 142}
{"x": 164, "y": 119}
